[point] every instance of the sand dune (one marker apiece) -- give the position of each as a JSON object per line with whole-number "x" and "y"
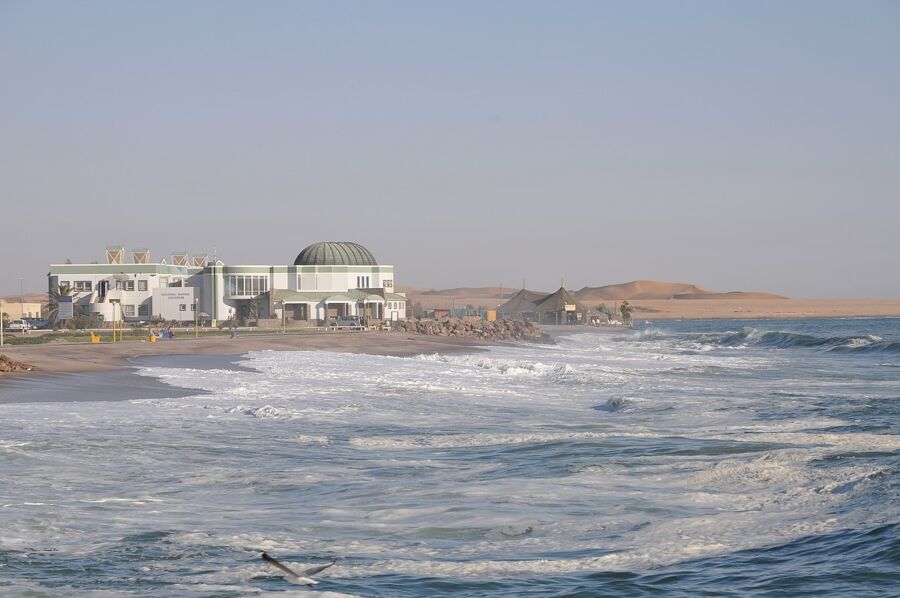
{"x": 638, "y": 289}
{"x": 740, "y": 295}
{"x": 764, "y": 308}
{"x": 675, "y": 300}
{"x": 458, "y": 297}
{"x": 650, "y": 290}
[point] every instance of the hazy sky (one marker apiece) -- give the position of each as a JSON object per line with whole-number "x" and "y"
{"x": 750, "y": 145}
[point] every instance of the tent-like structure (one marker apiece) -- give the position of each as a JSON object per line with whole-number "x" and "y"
{"x": 560, "y": 307}
{"x": 521, "y": 305}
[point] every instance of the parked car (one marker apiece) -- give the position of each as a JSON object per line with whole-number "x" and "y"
{"x": 37, "y": 323}
{"x": 20, "y": 325}
{"x": 345, "y": 321}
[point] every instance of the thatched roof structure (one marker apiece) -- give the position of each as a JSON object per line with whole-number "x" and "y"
{"x": 558, "y": 301}
{"x": 524, "y": 301}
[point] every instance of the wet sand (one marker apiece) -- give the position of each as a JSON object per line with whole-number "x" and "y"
{"x": 85, "y": 357}
{"x": 706, "y": 309}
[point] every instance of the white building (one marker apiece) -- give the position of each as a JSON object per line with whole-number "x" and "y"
{"x": 326, "y": 280}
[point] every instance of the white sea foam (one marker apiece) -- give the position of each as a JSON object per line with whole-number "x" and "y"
{"x": 482, "y": 466}
{"x": 475, "y": 440}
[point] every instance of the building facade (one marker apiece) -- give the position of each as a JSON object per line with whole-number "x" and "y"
{"x": 327, "y": 280}
{"x": 16, "y": 310}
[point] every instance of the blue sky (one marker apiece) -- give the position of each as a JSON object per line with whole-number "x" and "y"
{"x": 733, "y": 145}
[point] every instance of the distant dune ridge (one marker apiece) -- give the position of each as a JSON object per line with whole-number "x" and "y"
{"x": 638, "y": 290}
{"x": 653, "y": 290}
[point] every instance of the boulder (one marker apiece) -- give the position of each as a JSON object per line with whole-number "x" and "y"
{"x": 11, "y": 365}
{"x": 505, "y": 330}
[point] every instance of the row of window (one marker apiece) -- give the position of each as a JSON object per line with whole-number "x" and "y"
{"x": 79, "y": 286}
{"x": 85, "y": 286}
{"x": 128, "y": 285}
{"x": 239, "y": 284}
{"x": 236, "y": 284}
{"x": 362, "y": 282}
{"x": 395, "y": 304}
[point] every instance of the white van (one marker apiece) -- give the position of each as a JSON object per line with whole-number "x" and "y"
{"x": 20, "y": 325}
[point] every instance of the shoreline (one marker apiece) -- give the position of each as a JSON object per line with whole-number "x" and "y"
{"x": 763, "y": 309}
{"x": 79, "y": 358}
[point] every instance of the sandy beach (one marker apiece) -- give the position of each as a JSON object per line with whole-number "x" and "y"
{"x": 696, "y": 309}
{"x": 85, "y": 357}
{"x": 677, "y": 301}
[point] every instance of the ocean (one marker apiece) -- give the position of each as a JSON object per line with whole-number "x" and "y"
{"x": 681, "y": 458}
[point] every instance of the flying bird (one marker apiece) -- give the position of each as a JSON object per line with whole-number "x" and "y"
{"x": 304, "y": 577}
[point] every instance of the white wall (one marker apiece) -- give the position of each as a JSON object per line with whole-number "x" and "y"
{"x": 168, "y": 303}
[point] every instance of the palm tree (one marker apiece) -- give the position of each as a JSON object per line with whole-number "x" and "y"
{"x": 625, "y": 309}
{"x": 53, "y": 305}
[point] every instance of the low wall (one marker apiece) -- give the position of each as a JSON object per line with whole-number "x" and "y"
{"x": 275, "y": 324}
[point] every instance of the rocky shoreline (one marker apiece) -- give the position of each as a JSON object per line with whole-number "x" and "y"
{"x": 502, "y": 330}
{"x": 11, "y": 365}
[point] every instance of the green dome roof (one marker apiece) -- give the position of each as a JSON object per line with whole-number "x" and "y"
{"x": 335, "y": 253}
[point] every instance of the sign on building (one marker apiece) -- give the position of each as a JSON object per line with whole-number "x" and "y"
{"x": 66, "y": 309}
{"x": 174, "y": 303}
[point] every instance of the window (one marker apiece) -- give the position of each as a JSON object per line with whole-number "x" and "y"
{"x": 388, "y": 283}
{"x": 193, "y": 307}
{"x": 129, "y": 311}
{"x": 182, "y": 307}
{"x": 127, "y": 285}
{"x": 142, "y": 285}
{"x": 299, "y": 286}
{"x": 143, "y": 310}
{"x": 82, "y": 286}
{"x": 237, "y": 284}
{"x": 65, "y": 283}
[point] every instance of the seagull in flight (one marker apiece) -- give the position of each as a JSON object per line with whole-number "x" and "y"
{"x": 303, "y": 577}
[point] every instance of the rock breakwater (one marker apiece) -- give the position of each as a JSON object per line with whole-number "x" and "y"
{"x": 502, "y": 330}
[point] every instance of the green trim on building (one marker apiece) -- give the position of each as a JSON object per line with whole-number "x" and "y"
{"x": 305, "y": 269}
{"x": 260, "y": 270}
{"x": 110, "y": 269}
{"x": 343, "y": 269}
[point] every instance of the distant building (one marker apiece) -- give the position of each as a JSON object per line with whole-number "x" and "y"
{"x": 559, "y": 307}
{"x": 16, "y": 310}
{"x": 326, "y": 280}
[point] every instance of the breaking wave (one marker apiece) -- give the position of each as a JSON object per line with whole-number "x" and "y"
{"x": 559, "y": 372}
{"x": 869, "y": 343}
